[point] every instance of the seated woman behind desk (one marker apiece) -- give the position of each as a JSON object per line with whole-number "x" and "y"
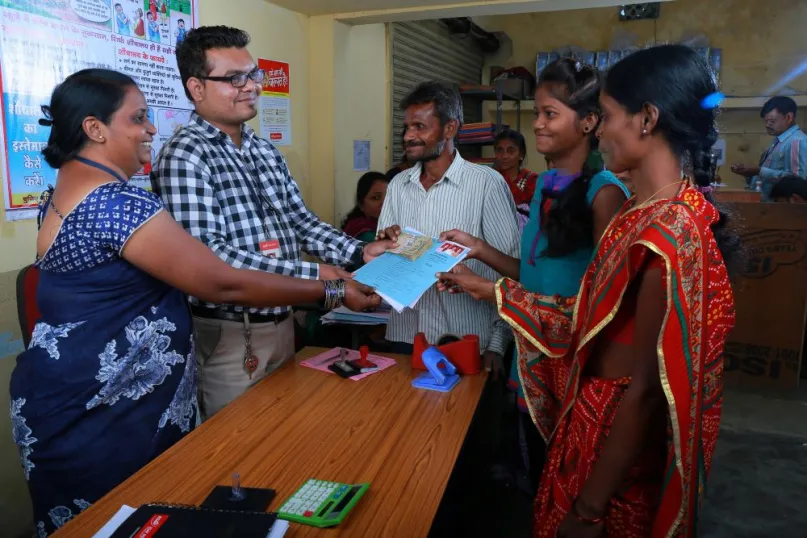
{"x": 362, "y": 220}
{"x": 109, "y": 379}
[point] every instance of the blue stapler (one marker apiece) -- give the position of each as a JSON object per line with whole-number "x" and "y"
{"x": 441, "y": 380}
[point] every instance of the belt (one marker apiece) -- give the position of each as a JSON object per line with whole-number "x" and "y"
{"x": 238, "y": 317}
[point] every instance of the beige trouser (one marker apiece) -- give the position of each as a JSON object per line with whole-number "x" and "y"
{"x": 220, "y": 347}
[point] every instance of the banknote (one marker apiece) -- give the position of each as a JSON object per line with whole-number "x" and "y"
{"x": 412, "y": 246}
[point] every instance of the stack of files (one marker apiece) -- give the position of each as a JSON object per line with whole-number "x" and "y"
{"x": 348, "y": 317}
{"x": 401, "y": 276}
{"x": 478, "y": 132}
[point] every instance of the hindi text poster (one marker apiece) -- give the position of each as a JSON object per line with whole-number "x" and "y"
{"x": 44, "y": 41}
{"x": 274, "y": 110}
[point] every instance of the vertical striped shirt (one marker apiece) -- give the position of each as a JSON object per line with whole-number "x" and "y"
{"x": 471, "y": 198}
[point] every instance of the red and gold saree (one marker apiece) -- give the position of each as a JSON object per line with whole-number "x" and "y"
{"x": 661, "y": 494}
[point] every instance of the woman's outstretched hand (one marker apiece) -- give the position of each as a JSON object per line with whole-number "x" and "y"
{"x": 465, "y": 239}
{"x": 462, "y": 279}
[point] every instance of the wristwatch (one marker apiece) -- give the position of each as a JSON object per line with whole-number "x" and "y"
{"x": 357, "y": 260}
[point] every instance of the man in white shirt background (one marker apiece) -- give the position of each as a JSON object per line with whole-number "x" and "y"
{"x": 440, "y": 192}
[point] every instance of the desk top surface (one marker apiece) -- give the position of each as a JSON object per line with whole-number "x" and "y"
{"x": 300, "y": 423}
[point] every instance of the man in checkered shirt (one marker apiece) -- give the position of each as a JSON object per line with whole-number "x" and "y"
{"x": 233, "y": 191}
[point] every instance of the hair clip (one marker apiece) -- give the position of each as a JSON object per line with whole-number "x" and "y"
{"x": 705, "y": 190}
{"x": 712, "y": 101}
{"x": 47, "y": 121}
{"x": 578, "y": 66}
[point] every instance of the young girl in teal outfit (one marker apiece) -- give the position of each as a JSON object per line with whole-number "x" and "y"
{"x": 572, "y": 205}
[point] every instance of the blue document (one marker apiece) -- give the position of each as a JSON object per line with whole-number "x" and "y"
{"x": 401, "y": 281}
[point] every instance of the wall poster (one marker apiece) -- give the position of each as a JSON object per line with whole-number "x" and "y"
{"x": 44, "y": 41}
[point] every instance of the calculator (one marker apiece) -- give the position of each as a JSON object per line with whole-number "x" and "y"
{"x": 320, "y": 503}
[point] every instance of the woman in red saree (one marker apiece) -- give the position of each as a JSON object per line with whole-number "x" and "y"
{"x": 625, "y": 380}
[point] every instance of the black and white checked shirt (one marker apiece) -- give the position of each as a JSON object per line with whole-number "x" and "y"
{"x": 221, "y": 193}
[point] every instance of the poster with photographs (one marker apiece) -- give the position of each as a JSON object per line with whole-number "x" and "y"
{"x": 44, "y": 41}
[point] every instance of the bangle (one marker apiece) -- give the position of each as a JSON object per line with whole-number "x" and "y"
{"x": 583, "y": 519}
{"x": 335, "y": 291}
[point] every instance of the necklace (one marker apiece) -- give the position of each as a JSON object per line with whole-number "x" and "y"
{"x": 650, "y": 199}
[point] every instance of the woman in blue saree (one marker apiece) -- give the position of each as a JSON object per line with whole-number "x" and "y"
{"x": 108, "y": 381}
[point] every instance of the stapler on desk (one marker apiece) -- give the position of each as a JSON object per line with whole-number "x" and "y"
{"x": 464, "y": 353}
{"x": 441, "y": 375}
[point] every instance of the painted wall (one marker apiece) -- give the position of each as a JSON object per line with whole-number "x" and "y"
{"x": 363, "y": 111}
{"x": 276, "y": 33}
{"x": 762, "y": 42}
{"x": 349, "y": 101}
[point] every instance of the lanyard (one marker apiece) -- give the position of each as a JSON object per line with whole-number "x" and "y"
{"x": 101, "y": 167}
{"x": 255, "y": 194}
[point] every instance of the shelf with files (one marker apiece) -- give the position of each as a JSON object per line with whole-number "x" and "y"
{"x": 477, "y": 143}
{"x": 496, "y": 95}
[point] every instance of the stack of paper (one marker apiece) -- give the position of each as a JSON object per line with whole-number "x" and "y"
{"x": 401, "y": 277}
{"x": 348, "y": 317}
{"x": 326, "y": 358}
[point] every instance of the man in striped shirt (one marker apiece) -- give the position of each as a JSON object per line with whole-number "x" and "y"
{"x": 441, "y": 192}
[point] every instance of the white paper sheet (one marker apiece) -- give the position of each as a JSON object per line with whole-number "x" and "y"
{"x": 116, "y": 521}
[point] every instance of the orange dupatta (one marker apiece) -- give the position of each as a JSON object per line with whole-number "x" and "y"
{"x": 554, "y": 337}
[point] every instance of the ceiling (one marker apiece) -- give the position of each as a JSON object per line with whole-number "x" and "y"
{"x": 322, "y": 7}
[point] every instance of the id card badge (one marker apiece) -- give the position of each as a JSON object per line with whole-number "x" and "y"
{"x": 270, "y": 248}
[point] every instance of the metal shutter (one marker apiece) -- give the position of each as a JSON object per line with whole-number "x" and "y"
{"x": 425, "y": 50}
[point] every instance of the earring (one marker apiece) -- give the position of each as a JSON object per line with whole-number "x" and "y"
{"x": 644, "y": 132}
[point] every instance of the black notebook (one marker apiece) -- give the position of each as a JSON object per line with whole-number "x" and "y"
{"x": 180, "y": 521}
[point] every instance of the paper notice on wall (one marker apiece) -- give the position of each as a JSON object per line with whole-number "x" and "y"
{"x": 274, "y": 110}
{"x": 361, "y": 155}
{"x": 44, "y": 41}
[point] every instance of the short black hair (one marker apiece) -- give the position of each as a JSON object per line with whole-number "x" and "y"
{"x": 181, "y": 20}
{"x": 785, "y": 105}
{"x": 90, "y": 92}
{"x": 789, "y": 185}
{"x": 446, "y": 99}
{"x": 192, "y": 52}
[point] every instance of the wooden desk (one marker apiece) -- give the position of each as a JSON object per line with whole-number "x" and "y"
{"x": 736, "y": 195}
{"x": 299, "y": 424}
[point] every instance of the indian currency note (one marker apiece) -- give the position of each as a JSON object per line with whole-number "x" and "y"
{"x": 412, "y": 246}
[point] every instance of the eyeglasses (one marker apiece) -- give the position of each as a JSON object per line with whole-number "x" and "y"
{"x": 239, "y": 80}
